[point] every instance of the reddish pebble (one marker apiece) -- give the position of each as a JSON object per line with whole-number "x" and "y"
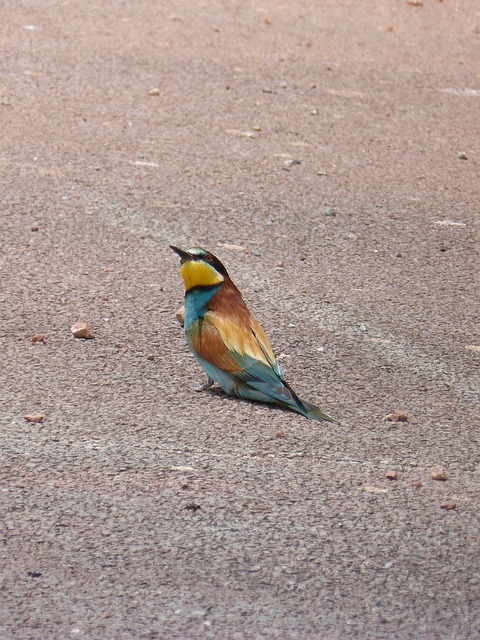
{"x": 396, "y": 416}
{"x": 83, "y": 330}
{"x": 417, "y": 485}
{"x": 438, "y": 473}
{"x": 391, "y": 475}
{"x": 448, "y": 506}
{"x": 180, "y": 315}
{"x": 38, "y": 338}
{"x": 34, "y": 417}
{"x": 280, "y": 434}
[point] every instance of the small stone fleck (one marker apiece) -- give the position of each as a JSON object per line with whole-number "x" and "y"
{"x": 330, "y": 213}
{"x": 180, "y": 315}
{"x": 154, "y": 92}
{"x": 38, "y": 337}
{"x": 83, "y": 330}
{"x": 448, "y": 506}
{"x": 462, "y": 155}
{"x": 438, "y": 473}
{"x": 34, "y": 417}
{"x": 396, "y": 416}
{"x": 192, "y": 506}
{"x": 391, "y": 475}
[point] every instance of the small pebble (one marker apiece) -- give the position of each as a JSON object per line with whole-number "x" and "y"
{"x": 192, "y": 506}
{"x": 396, "y": 416}
{"x": 448, "y": 506}
{"x": 180, "y": 315}
{"x": 34, "y": 417}
{"x": 34, "y": 228}
{"x": 462, "y": 155}
{"x": 438, "y": 473}
{"x": 363, "y": 327}
{"x": 154, "y": 92}
{"x": 82, "y": 330}
{"x": 330, "y": 213}
{"x": 256, "y": 252}
{"x": 391, "y": 475}
{"x": 280, "y": 264}
{"x": 38, "y": 337}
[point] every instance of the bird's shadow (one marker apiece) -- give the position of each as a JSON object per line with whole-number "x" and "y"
{"x": 220, "y": 393}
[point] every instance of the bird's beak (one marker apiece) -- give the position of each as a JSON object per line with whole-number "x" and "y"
{"x": 184, "y": 256}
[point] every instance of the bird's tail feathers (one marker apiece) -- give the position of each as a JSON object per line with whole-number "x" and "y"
{"x": 309, "y": 410}
{"x": 314, "y": 413}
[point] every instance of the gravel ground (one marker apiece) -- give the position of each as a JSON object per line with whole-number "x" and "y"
{"x": 328, "y": 153}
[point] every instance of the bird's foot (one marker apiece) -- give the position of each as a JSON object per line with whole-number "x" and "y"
{"x": 205, "y": 385}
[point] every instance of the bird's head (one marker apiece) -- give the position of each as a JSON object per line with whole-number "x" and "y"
{"x": 199, "y": 268}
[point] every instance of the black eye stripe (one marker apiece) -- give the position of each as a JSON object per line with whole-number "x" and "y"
{"x": 200, "y": 255}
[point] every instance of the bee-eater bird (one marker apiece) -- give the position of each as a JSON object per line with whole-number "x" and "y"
{"x": 226, "y": 339}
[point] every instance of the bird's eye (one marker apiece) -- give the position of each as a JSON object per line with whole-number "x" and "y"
{"x": 208, "y": 259}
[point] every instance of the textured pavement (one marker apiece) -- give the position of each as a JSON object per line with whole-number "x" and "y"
{"x": 328, "y": 153}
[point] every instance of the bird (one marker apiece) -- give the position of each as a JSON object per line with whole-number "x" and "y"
{"x": 227, "y": 341}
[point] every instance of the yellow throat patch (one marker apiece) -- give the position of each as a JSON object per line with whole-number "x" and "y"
{"x": 196, "y": 273}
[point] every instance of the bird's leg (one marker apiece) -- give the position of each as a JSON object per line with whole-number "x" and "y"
{"x": 205, "y": 385}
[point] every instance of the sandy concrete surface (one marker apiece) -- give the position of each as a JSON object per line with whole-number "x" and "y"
{"x": 328, "y": 152}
